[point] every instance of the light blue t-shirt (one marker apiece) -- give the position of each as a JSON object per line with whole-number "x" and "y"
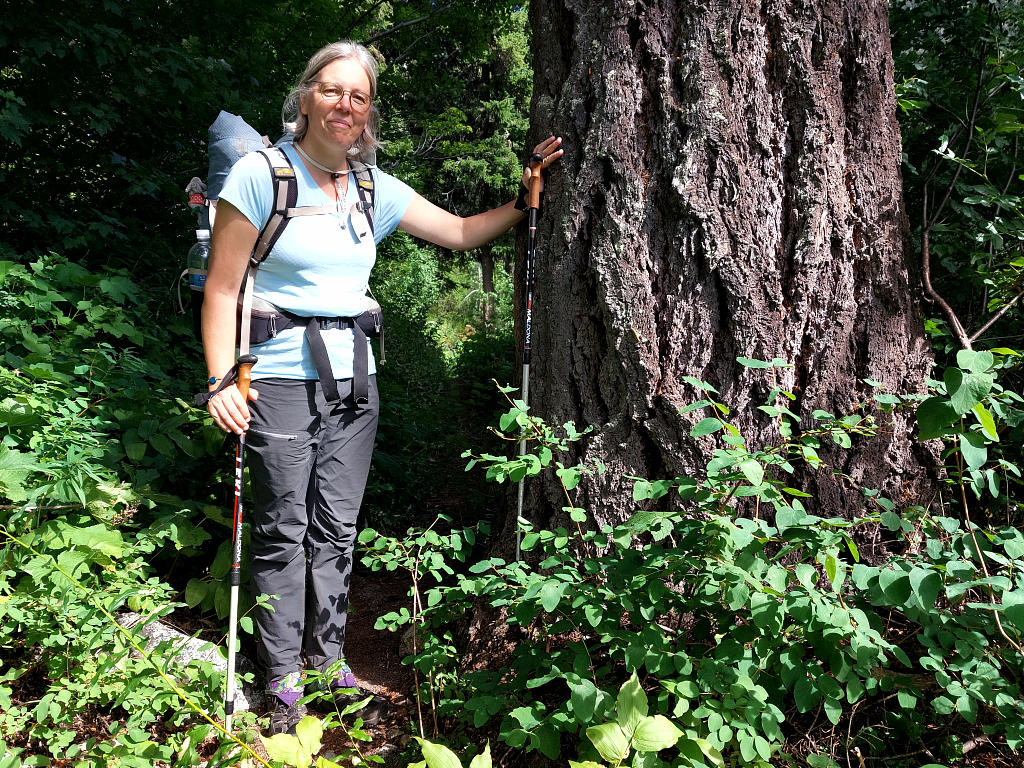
{"x": 319, "y": 266}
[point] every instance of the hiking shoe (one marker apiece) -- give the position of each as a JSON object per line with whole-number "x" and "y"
{"x": 285, "y": 710}
{"x": 284, "y": 717}
{"x": 344, "y": 690}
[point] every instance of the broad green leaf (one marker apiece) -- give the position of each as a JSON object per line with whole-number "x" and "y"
{"x": 583, "y": 697}
{"x": 906, "y": 699}
{"x": 584, "y": 764}
{"x": 943, "y": 705}
{"x": 163, "y": 445}
{"x": 747, "y": 750}
{"x": 15, "y": 467}
{"x": 933, "y": 416}
{"x": 806, "y": 694}
{"x": 631, "y": 705}
{"x": 1013, "y": 608}
{"x": 287, "y": 749}
{"x": 528, "y": 717}
{"x": 610, "y": 741}
{"x": 895, "y": 585}
{"x": 507, "y": 420}
{"x": 547, "y": 740}
{"x": 975, "y": 362}
{"x": 988, "y": 424}
{"x": 134, "y": 447}
{"x": 765, "y": 612}
{"x": 750, "y": 363}
{"x": 551, "y": 595}
{"x": 195, "y": 592}
{"x": 753, "y": 471}
{"x": 830, "y": 568}
{"x": 98, "y": 538}
{"x": 118, "y": 288}
{"x": 309, "y": 732}
{"x": 833, "y": 710}
{"x": 705, "y": 427}
{"x": 925, "y": 585}
{"x": 710, "y": 752}
{"x": 570, "y": 477}
{"x": 655, "y": 733}
{"x": 966, "y": 390}
{"x": 438, "y": 755}
{"x": 974, "y": 449}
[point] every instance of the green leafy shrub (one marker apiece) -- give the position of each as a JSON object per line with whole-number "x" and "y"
{"x": 93, "y": 436}
{"x": 741, "y": 628}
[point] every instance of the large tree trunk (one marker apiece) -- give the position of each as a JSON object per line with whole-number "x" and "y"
{"x": 730, "y": 188}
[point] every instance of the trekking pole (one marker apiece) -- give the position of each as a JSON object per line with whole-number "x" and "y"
{"x": 533, "y": 200}
{"x": 245, "y": 364}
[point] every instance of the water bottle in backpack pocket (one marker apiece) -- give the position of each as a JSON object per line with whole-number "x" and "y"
{"x": 197, "y": 264}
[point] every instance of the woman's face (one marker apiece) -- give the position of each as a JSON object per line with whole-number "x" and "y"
{"x": 337, "y": 120}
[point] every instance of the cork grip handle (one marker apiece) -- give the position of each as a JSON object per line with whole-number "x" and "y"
{"x": 245, "y": 364}
{"x": 536, "y": 164}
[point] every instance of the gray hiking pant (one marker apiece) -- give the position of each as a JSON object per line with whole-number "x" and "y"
{"x": 308, "y": 462}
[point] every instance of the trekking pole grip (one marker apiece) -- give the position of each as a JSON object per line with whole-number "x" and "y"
{"x": 245, "y": 364}
{"x": 536, "y": 164}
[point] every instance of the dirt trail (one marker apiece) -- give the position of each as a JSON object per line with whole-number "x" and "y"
{"x": 375, "y": 659}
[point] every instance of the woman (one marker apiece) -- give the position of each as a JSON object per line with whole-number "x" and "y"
{"x": 309, "y": 457}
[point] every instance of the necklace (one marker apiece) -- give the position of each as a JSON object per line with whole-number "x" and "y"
{"x": 336, "y": 176}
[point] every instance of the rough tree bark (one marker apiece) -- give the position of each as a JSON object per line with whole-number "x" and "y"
{"x": 730, "y": 188}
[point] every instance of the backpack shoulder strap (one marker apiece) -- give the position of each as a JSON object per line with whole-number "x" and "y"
{"x": 286, "y": 194}
{"x": 364, "y": 182}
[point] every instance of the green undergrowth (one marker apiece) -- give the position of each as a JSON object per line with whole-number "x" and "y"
{"x": 103, "y": 466}
{"x": 692, "y": 633}
{"x": 758, "y": 639}
{"x": 115, "y": 498}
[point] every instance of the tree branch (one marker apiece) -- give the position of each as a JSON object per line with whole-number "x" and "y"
{"x": 404, "y": 24}
{"x": 1006, "y": 308}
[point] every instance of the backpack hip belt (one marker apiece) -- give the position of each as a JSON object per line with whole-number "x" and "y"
{"x": 267, "y": 321}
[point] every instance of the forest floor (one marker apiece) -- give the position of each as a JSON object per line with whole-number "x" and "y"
{"x": 375, "y": 658}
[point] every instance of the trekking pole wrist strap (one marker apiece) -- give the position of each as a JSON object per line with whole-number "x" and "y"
{"x": 202, "y": 398}
{"x": 521, "y": 200}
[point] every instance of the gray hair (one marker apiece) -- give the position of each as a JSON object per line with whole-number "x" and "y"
{"x": 295, "y": 122}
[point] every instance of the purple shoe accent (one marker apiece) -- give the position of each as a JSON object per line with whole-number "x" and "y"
{"x": 288, "y": 697}
{"x": 345, "y": 680}
{"x": 288, "y": 689}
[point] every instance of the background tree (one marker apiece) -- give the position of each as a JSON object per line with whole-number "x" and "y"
{"x": 960, "y": 86}
{"x": 731, "y": 188}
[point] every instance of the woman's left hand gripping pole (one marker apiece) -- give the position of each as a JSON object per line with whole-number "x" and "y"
{"x": 245, "y": 364}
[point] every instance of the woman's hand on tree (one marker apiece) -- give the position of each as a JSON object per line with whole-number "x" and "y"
{"x": 550, "y": 150}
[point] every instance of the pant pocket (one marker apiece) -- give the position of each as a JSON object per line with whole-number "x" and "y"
{"x": 271, "y": 435}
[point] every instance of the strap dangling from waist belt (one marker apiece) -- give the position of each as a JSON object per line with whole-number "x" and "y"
{"x": 322, "y": 361}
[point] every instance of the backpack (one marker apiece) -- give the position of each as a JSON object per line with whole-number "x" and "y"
{"x": 230, "y": 139}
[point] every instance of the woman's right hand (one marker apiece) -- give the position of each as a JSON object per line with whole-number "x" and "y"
{"x": 229, "y": 409}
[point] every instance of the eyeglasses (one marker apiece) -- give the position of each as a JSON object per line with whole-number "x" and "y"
{"x": 333, "y": 93}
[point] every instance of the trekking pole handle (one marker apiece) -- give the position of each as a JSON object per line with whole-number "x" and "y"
{"x": 536, "y": 164}
{"x": 245, "y": 364}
